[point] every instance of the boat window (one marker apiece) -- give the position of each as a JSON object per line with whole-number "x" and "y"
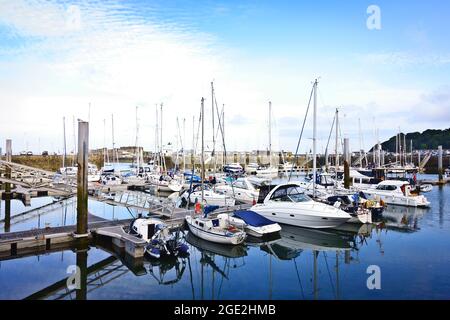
{"x": 290, "y": 194}
{"x": 201, "y": 224}
{"x": 240, "y": 185}
{"x": 387, "y": 187}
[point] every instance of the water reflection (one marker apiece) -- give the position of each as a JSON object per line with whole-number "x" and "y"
{"x": 299, "y": 264}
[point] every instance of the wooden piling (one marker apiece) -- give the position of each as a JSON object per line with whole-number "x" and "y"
{"x": 82, "y": 179}
{"x": 440, "y": 166}
{"x": 8, "y": 187}
{"x": 81, "y": 291}
{"x": 346, "y": 164}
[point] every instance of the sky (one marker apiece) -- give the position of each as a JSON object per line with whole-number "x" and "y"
{"x": 125, "y": 58}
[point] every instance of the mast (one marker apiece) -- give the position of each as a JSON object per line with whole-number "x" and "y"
{"x": 105, "y": 149}
{"x": 138, "y": 160}
{"x": 360, "y": 144}
{"x": 74, "y": 142}
{"x": 270, "y": 133}
{"x": 314, "y": 139}
{"x": 337, "y": 140}
{"x": 404, "y": 149}
{"x": 223, "y": 134}
{"x": 161, "y": 139}
{"x": 115, "y": 153}
{"x": 203, "y": 147}
{"x": 156, "y": 133}
{"x": 183, "y": 145}
{"x": 213, "y": 127}
{"x": 396, "y": 148}
{"x": 65, "y": 146}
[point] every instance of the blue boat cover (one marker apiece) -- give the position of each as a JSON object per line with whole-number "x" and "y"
{"x": 252, "y": 218}
{"x": 209, "y": 209}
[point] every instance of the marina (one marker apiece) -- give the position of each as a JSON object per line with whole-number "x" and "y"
{"x": 409, "y": 236}
{"x": 223, "y": 156}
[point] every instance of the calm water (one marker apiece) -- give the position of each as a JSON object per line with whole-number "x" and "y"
{"x": 412, "y": 250}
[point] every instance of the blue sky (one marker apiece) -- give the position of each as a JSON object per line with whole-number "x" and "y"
{"x": 56, "y": 57}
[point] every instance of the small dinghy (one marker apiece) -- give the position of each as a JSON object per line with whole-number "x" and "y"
{"x": 161, "y": 242}
{"x": 426, "y": 187}
{"x": 254, "y": 224}
{"x": 217, "y": 230}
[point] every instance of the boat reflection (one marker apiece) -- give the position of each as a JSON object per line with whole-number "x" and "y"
{"x": 295, "y": 240}
{"x": 403, "y": 219}
{"x": 216, "y": 248}
{"x": 159, "y": 269}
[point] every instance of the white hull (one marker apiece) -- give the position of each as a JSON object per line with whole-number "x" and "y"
{"x": 270, "y": 173}
{"x": 309, "y": 215}
{"x": 213, "y": 199}
{"x": 214, "y": 237}
{"x": 400, "y": 200}
{"x": 257, "y": 232}
{"x": 241, "y": 195}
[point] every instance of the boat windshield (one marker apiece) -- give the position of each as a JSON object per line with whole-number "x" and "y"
{"x": 290, "y": 194}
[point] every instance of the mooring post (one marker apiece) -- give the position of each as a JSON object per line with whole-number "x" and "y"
{"x": 346, "y": 164}
{"x": 82, "y": 179}
{"x": 8, "y": 187}
{"x": 440, "y": 165}
{"x": 82, "y": 256}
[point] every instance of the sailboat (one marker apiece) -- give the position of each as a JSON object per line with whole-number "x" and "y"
{"x": 216, "y": 230}
{"x": 270, "y": 172}
{"x": 287, "y": 203}
{"x": 160, "y": 179}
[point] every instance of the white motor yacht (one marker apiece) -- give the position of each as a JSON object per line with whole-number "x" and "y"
{"x": 210, "y": 197}
{"x": 240, "y": 189}
{"x": 288, "y": 204}
{"x": 397, "y": 192}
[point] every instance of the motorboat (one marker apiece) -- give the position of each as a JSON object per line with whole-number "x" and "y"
{"x": 397, "y": 192}
{"x": 216, "y": 230}
{"x": 68, "y": 171}
{"x": 110, "y": 180}
{"x": 258, "y": 182}
{"x": 210, "y": 197}
{"x": 268, "y": 172}
{"x": 191, "y": 177}
{"x": 241, "y": 189}
{"x": 165, "y": 183}
{"x": 161, "y": 242}
{"x": 233, "y": 168}
{"x": 426, "y": 187}
{"x": 254, "y": 224}
{"x": 251, "y": 168}
{"x": 288, "y": 204}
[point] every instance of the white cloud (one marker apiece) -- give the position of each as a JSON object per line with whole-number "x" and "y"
{"x": 115, "y": 58}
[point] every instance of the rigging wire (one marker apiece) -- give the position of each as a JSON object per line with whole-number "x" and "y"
{"x": 329, "y": 274}
{"x": 301, "y": 134}
{"x": 299, "y": 279}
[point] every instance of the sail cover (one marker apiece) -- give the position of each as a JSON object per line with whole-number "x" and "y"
{"x": 253, "y": 219}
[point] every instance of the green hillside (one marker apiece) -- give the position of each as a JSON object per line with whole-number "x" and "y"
{"x": 429, "y": 139}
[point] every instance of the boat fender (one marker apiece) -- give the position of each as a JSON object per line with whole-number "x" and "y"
{"x": 198, "y": 207}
